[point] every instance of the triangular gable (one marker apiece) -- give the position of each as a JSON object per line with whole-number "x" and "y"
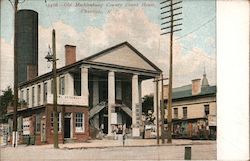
{"x": 125, "y": 55}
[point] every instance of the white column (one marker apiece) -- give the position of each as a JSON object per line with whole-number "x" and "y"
{"x": 111, "y": 97}
{"x": 69, "y": 84}
{"x": 42, "y": 93}
{"x": 155, "y": 100}
{"x": 135, "y": 105}
{"x": 84, "y": 84}
{"x": 35, "y": 95}
{"x": 95, "y": 91}
{"x": 140, "y": 99}
{"x": 30, "y": 96}
{"x": 49, "y": 86}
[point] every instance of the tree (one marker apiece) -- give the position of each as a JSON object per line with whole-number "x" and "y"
{"x": 148, "y": 103}
{"x": 5, "y": 100}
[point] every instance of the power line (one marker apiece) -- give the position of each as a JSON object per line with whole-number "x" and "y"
{"x": 196, "y": 29}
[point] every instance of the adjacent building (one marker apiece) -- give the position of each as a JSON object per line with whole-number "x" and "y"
{"x": 194, "y": 110}
{"x": 103, "y": 89}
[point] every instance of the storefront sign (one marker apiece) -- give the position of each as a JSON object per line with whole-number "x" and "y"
{"x": 113, "y": 118}
{"x": 212, "y": 120}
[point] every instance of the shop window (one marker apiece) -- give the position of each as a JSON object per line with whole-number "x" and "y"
{"x": 176, "y": 113}
{"x": 38, "y": 122}
{"x": 206, "y": 110}
{"x": 79, "y": 122}
{"x": 184, "y": 112}
{"x": 58, "y": 121}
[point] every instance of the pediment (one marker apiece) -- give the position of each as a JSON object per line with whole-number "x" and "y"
{"x": 124, "y": 55}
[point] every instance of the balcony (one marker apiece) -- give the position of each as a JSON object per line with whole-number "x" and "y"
{"x": 68, "y": 100}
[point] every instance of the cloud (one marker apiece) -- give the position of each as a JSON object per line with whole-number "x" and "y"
{"x": 136, "y": 28}
{"x": 6, "y": 65}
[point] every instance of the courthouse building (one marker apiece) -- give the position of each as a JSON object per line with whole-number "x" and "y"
{"x": 103, "y": 89}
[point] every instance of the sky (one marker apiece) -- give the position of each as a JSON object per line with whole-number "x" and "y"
{"x": 98, "y": 24}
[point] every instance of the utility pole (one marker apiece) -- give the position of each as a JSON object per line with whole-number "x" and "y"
{"x": 52, "y": 58}
{"x": 157, "y": 110}
{"x": 55, "y": 120}
{"x": 162, "y": 112}
{"x": 15, "y": 103}
{"x": 157, "y": 113}
{"x": 170, "y": 25}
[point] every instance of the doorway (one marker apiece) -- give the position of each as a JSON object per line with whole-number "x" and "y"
{"x": 66, "y": 127}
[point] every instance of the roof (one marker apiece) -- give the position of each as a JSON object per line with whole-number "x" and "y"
{"x": 88, "y": 61}
{"x": 186, "y": 92}
{"x": 119, "y": 45}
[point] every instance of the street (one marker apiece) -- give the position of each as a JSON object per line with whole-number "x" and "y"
{"x": 202, "y": 150}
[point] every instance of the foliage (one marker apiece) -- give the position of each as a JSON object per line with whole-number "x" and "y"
{"x": 148, "y": 103}
{"x": 5, "y": 100}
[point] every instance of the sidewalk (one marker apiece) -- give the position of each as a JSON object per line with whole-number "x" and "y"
{"x": 130, "y": 143}
{"x": 105, "y": 143}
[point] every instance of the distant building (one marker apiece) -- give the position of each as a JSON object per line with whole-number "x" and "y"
{"x": 194, "y": 110}
{"x": 103, "y": 89}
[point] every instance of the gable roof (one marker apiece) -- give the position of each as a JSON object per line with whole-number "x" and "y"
{"x": 103, "y": 53}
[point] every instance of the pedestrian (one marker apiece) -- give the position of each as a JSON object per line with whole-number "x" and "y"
{"x": 123, "y": 139}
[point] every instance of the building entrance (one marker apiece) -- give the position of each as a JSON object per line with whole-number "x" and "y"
{"x": 66, "y": 127}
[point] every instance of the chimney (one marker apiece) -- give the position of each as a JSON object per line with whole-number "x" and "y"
{"x": 70, "y": 54}
{"x": 196, "y": 86}
{"x": 31, "y": 71}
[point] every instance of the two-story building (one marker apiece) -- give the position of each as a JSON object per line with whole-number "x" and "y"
{"x": 193, "y": 110}
{"x": 103, "y": 89}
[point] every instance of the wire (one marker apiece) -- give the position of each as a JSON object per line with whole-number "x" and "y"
{"x": 196, "y": 29}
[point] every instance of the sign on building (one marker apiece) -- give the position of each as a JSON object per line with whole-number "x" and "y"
{"x": 26, "y": 126}
{"x": 212, "y": 120}
{"x": 113, "y": 118}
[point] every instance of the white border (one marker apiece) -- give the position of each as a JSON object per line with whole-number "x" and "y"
{"x": 233, "y": 80}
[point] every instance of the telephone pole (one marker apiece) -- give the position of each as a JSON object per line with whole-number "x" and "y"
{"x": 169, "y": 13}
{"x": 15, "y": 103}
{"x": 52, "y": 58}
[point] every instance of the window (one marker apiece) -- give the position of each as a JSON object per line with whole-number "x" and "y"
{"x": 38, "y": 122}
{"x": 38, "y": 94}
{"x": 58, "y": 120}
{"x": 45, "y": 91}
{"x": 62, "y": 86}
{"x": 28, "y": 96}
{"x": 176, "y": 113}
{"x": 33, "y": 96}
{"x": 184, "y": 112}
{"x": 21, "y": 96}
{"x": 206, "y": 110}
{"x": 79, "y": 122}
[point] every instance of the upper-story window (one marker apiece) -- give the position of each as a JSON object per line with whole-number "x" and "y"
{"x": 28, "y": 96}
{"x": 62, "y": 86}
{"x": 39, "y": 94}
{"x": 176, "y": 113}
{"x": 206, "y": 110}
{"x": 33, "y": 96}
{"x": 21, "y": 95}
{"x": 45, "y": 91}
{"x": 184, "y": 112}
